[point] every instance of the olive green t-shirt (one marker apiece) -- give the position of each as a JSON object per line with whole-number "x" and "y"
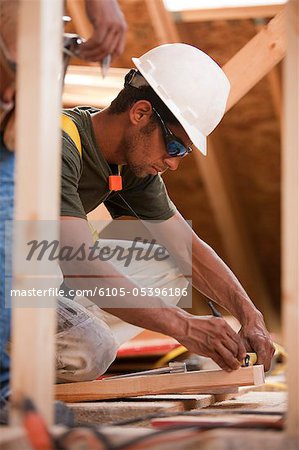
{"x": 85, "y": 180}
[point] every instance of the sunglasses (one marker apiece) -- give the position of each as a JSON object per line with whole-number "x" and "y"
{"x": 174, "y": 145}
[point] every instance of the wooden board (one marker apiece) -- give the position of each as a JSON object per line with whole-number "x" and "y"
{"x": 227, "y": 13}
{"x": 290, "y": 215}
{"x": 37, "y": 196}
{"x": 232, "y": 420}
{"x": 256, "y": 58}
{"x": 109, "y": 412}
{"x": 202, "y": 382}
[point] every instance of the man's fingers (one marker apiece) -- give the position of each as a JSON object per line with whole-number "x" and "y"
{"x": 227, "y": 361}
{"x": 109, "y": 41}
{"x": 265, "y": 352}
{"x": 232, "y": 341}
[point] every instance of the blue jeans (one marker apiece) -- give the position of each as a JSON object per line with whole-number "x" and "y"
{"x": 6, "y": 213}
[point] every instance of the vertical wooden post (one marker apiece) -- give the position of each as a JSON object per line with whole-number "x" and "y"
{"x": 37, "y": 188}
{"x": 290, "y": 217}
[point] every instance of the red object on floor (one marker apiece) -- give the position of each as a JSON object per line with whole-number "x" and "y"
{"x": 147, "y": 343}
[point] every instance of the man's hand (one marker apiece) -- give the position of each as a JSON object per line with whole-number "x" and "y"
{"x": 257, "y": 339}
{"x": 213, "y": 337}
{"x": 109, "y": 26}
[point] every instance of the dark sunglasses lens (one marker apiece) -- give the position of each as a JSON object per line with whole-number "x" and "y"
{"x": 175, "y": 148}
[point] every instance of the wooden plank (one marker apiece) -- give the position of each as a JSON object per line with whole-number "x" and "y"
{"x": 256, "y": 58}
{"x": 85, "y": 86}
{"x": 190, "y": 401}
{"x": 232, "y": 420}
{"x": 162, "y": 22}
{"x": 290, "y": 216}
{"x": 266, "y": 402}
{"x": 274, "y": 79}
{"x": 228, "y": 13}
{"x": 109, "y": 412}
{"x": 202, "y": 381}
{"x": 195, "y": 400}
{"x": 37, "y": 168}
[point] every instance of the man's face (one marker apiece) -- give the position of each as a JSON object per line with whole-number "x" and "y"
{"x": 146, "y": 153}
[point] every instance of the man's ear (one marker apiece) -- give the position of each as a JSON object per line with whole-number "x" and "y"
{"x": 140, "y": 112}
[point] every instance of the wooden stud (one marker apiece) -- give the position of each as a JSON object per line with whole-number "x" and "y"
{"x": 85, "y": 86}
{"x": 162, "y": 22}
{"x": 229, "y": 13}
{"x": 37, "y": 190}
{"x": 290, "y": 216}
{"x": 256, "y": 58}
{"x": 233, "y": 420}
{"x": 274, "y": 79}
{"x": 204, "y": 381}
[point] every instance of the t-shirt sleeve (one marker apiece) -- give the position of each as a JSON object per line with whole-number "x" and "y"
{"x": 145, "y": 198}
{"x": 71, "y": 168}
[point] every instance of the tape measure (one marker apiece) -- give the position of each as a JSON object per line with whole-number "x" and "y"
{"x": 249, "y": 360}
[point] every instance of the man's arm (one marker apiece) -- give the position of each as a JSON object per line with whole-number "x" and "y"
{"x": 109, "y": 30}
{"x": 212, "y": 277}
{"x": 208, "y": 336}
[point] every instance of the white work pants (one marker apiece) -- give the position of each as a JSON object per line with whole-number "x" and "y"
{"x": 88, "y": 337}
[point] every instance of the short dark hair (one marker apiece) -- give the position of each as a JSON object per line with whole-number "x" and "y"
{"x": 130, "y": 95}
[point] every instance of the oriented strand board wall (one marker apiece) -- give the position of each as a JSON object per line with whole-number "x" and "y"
{"x": 250, "y": 137}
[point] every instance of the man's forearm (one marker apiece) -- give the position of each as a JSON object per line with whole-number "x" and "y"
{"x": 212, "y": 277}
{"x": 169, "y": 320}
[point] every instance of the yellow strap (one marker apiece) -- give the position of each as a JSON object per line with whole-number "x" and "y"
{"x": 70, "y": 128}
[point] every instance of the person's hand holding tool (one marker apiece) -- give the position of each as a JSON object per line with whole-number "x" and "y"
{"x": 257, "y": 339}
{"x": 213, "y": 337}
{"x": 109, "y": 26}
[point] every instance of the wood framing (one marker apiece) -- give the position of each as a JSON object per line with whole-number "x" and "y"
{"x": 229, "y": 13}
{"x": 274, "y": 79}
{"x": 85, "y": 86}
{"x": 162, "y": 22}
{"x": 200, "y": 382}
{"x": 37, "y": 191}
{"x": 290, "y": 215}
{"x": 256, "y": 58}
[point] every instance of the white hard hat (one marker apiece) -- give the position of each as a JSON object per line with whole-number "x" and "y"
{"x": 191, "y": 85}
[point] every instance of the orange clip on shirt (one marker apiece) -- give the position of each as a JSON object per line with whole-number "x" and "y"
{"x": 115, "y": 183}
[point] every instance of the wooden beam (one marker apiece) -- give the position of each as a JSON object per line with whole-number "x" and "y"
{"x": 233, "y": 420}
{"x": 204, "y": 381}
{"x": 37, "y": 192}
{"x": 162, "y": 22}
{"x": 290, "y": 216}
{"x": 274, "y": 79}
{"x": 228, "y": 13}
{"x": 85, "y": 86}
{"x": 256, "y": 58}
{"x": 275, "y": 83}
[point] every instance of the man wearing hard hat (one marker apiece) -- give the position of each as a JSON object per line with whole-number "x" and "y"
{"x": 168, "y": 106}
